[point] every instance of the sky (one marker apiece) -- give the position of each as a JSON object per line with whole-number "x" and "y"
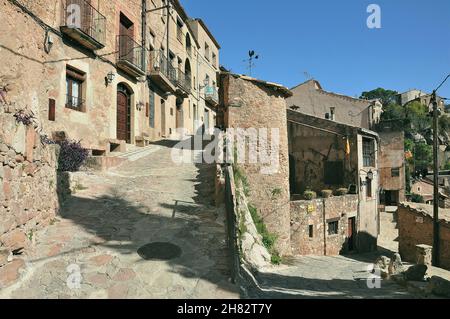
{"x": 329, "y": 40}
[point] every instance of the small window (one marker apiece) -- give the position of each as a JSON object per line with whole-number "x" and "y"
{"x": 214, "y": 60}
{"x": 75, "y": 84}
{"x": 333, "y": 227}
{"x": 368, "y": 188}
{"x": 332, "y": 113}
{"x": 311, "y": 231}
{"x": 207, "y": 51}
{"x": 171, "y": 111}
{"x": 395, "y": 172}
{"x": 368, "y": 152}
{"x": 180, "y": 31}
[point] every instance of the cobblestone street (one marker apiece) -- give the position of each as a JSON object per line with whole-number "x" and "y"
{"x": 95, "y": 239}
{"x": 324, "y": 277}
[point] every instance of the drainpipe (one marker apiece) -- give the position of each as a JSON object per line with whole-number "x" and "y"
{"x": 144, "y": 31}
{"x": 324, "y": 229}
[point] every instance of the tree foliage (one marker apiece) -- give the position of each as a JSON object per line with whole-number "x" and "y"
{"x": 385, "y": 96}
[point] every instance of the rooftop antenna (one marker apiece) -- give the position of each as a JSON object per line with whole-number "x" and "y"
{"x": 251, "y": 57}
{"x": 307, "y": 76}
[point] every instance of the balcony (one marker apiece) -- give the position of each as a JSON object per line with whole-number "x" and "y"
{"x": 212, "y": 95}
{"x": 89, "y": 29}
{"x": 184, "y": 84}
{"x": 161, "y": 72}
{"x": 129, "y": 56}
{"x": 75, "y": 103}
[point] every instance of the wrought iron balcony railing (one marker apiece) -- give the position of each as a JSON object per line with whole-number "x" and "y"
{"x": 159, "y": 63}
{"x": 80, "y": 15}
{"x": 184, "y": 81}
{"x": 212, "y": 94}
{"x": 75, "y": 103}
{"x": 130, "y": 51}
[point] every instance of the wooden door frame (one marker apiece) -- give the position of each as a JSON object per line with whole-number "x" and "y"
{"x": 122, "y": 88}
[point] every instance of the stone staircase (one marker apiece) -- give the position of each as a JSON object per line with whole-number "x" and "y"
{"x": 134, "y": 153}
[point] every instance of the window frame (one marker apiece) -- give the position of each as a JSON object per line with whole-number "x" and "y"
{"x": 368, "y": 152}
{"x": 75, "y": 76}
{"x": 333, "y": 231}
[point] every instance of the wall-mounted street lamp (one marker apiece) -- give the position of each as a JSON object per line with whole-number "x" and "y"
{"x": 109, "y": 78}
{"x": 139, "y": 105}
{"x": 205, "y": 84}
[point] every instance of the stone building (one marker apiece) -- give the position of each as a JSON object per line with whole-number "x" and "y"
{"x": 327, "y": 156}
{"x": 98, "y": 70}
{"x": 309, "y": 98}
{"x": 415, "y": 227}
{"x": 415, "y": 95}
{"x": 248, "y": 103}
{"x": 391, "y": 162}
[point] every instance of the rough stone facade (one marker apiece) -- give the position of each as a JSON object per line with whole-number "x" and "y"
{"x": 415, "y": 226}
{"x": 391, "y": 162}
{"x": 38, "y": 64}
{"x": 326, "y": 155}
{"x": 250, "y": 103}
{"x": 28, "y": 182}
{"x": 310, "y": 222}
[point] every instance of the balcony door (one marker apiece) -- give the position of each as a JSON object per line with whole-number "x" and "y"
{"x": 126, "y": 36}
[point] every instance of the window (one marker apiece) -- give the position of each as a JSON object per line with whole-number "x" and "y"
{"x": 171, "y": 111}
{"x": 334, "y": 173}
{"x": 207, "y": 51}
{"x": 333, "y": 227}
{"x": 368, "y": 188}
{"x": 74, "y": 89}
{"x": 311, "y": 231}
{"x": 214, "y": 60}
{"x": 207, "y": 80}
{"x": 152, "y": 109}
{"x": 395, "y": 172}
{"x": 180, "y": 31}
{"x": 368, "y": 152}
{"x": 332, "y": 113}
{"x": 151, "y": 40}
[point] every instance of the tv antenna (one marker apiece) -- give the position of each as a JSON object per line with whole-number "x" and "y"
{"x": 251, "y": 57}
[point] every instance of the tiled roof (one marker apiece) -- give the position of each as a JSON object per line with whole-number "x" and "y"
{"x": 271, "y": 85}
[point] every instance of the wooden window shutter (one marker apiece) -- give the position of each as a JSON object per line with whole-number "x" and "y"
{"x": 51, "y": 110}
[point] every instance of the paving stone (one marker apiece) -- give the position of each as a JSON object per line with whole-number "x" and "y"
{"x": 10, "y": 272}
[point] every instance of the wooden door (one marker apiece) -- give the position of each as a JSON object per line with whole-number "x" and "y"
{"x": 122, "y": 116}
{"x": 87, "y": 18}
{"x": 351, "y": 233}
{"x": 126, "y": 43}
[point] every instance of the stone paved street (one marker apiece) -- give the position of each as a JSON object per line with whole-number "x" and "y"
{"x": 326, "y": 277}
{"x": 112, "y": 215}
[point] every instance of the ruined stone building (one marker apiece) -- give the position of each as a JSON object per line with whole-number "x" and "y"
{"x": 330, "y": 158}
{"x": 310, "y": 98}
{"x": 106, "y": 72}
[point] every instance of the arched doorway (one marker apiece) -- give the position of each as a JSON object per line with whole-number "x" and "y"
{"x": 124, "y": 95}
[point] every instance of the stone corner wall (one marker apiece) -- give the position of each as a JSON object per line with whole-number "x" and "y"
{"x": 253, "y": 106}
{"x": 28, "y": 184}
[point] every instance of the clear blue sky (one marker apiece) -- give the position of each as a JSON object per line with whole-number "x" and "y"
{"x": 330, "y": 40}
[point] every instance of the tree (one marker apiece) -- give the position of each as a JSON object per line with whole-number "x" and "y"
{"x": 386, "y": 97}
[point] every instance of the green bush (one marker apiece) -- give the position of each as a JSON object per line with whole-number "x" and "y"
{"x": 268, "y": 239}
{"x": 416, "y": 198}
{"x": 326, "y": 193}
{"x": 309, "y": 195}
{"x": 341, "y": 192}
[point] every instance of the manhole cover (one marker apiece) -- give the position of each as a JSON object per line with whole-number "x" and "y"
{"x": 159, "y": 251}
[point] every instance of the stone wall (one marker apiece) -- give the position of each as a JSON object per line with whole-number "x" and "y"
{"x": 28, "y": 183}
{"x": 317, "y": 213}
{"x": 415, "y": 226}
{"x": 392, "y": 156}
{"x": 252, "y": 104}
